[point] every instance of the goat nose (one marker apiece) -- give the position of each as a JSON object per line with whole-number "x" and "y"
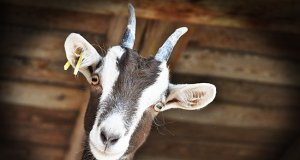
{"x": 109, "y": 139}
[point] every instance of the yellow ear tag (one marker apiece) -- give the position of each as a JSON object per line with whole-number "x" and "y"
{"x": 67, "y": 65}
{"x": 78, "y": 64}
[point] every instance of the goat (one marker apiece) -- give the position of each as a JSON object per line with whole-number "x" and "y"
{"x": 128, "y": 91}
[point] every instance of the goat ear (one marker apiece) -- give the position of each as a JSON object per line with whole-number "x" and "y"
{"x": 189, "y": 96}
{"x": 75, "y": 45}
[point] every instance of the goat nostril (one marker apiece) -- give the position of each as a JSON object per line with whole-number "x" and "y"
{"x": 114, "y": 140}
{"x": 103, "y": 137}
{"x": 108, "y": 139}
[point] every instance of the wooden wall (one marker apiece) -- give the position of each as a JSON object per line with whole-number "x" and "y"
{"x": 248, "y": 49}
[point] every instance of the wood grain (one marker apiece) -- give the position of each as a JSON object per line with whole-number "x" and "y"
{"x": 277, "y": 44}
{"x": 36, "y": 117}
{"x": 58, "y": 137}
{"x": 236, "y": 115}
{"x": 41, "y": 95}
{"x": 38, "y": 43}
{"x": 164, "y": 127}
{"x": 55, "y": 19}
{"x": 242, "y": 66}
{"x": 274, "y": 15}
{"x": 30, "y": 151}
{"x": 75, "y": 149}
{"x": 192, "y": 149}
{"x": 39, "y": 70}
{"x": 155, "y": 35}
{"x": 31, "y": 125}
{"x": 245, "y": 92}
{"x": 157, "y": 32}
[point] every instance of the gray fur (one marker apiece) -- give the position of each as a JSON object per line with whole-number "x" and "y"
{"x": 136, "y": 74}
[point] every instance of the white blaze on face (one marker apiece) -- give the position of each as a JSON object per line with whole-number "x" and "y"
{"x": 114, "y": 122}
{"x": 110, "y": 72}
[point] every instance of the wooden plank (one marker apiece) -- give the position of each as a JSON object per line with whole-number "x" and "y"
{"x": 116, "y": 29}
{"x": 55, "y": 19}
{"x": 220, "y": 13}
{"x": 281, "y": 45}
{"x": 40, "y": 118}
{"x": 29, "y": 151}
{"x": 155, "y": 35}
{"x": 235, "y": 115}
{"x": 192, "y": 149}
{"x": 78, "y": 134}
{"x": 53, "y": 137}
{"x": 157, "y": 32}
{"x": 39, "y": 70}
{"x": 274, "y": 15}
{"x": 181, "y": 46}
{"x": 44, "y": 44}
{"x": 249, "y": 67}
{"x": 36, "y": 125}
{"x": 38, "y": 43}
{"x": 251, "y": 93}
{"x": 41, "y": 95}
{"x": 164, "y": 127}
{"x": 141, "y": 25}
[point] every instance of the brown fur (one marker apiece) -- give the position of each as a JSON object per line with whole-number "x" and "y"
{"x": 141, "y": 133}
{"x": 90, "y": 114}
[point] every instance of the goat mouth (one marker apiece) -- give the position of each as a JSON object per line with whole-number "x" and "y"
{"x": 99, "y": 151}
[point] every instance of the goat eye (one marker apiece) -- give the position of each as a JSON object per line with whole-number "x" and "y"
{"x": 158, "y": 106}
{"x": 95, "y": 80}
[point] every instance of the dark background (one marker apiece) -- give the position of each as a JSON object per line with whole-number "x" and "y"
{"x": 249, "y": 49}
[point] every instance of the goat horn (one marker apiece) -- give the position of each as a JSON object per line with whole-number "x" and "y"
{"x": 129, "y": 35}
{"x": 165, "y": 50}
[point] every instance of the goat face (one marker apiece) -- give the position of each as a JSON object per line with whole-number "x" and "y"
{"x": 128, "y": 91}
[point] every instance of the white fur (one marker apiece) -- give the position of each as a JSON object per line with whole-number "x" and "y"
{"x": 152, "y": 94}
{"x": 113, "y": 124}
{"x": 99, "y": 155}
{"x": 149, "y": 96}
{"x": 110, "y": 72}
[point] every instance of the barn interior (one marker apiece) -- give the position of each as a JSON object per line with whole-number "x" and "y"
{"x": 249, "y": 49}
